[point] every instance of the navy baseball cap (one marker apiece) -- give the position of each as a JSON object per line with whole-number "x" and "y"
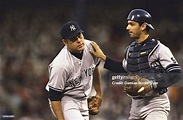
{"x": 70, "y": 29}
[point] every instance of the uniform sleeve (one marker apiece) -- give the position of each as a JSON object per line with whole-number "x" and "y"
{"x": 56, "y": 84}
{"x": 114, "y": 65}
{"x": 96, "y": 60}
{"x": 98, "y": 63}
{"x": 172, "y": 69}
{"x": 57, "y": 79}
{"x": 124, "y": 62}
{"x": 167, "y": 59}
{"x": 54, "y": 95}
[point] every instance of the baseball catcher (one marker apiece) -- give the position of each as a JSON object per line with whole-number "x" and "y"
{"x": 94, "y": 103}
{"x": 138, "y": 86}
{"x": 154, "y": 64}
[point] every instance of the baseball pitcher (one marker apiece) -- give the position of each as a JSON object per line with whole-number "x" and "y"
{"x": 72, "y": 74}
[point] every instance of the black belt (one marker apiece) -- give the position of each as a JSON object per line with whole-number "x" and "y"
{"x": 136, "y": 98}
{"x": 142, "y": 97}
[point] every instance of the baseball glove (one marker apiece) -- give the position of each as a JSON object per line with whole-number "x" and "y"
{"x": 136, "y": 85}
{"x": 94, "y": 103}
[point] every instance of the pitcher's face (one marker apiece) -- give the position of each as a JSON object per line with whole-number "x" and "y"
{"x": 75, "y": 44}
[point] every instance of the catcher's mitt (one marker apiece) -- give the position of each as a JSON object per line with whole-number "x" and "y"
{"x": 94, "y": 103}
{"x": 137, "y": 85}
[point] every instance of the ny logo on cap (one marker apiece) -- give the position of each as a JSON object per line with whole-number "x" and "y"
{"x": 72, "y": 27}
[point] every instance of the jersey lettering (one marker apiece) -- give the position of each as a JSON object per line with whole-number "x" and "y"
{"x": 174, "y": 61}
{"x": 89, "y": 71}
{"x": 74, "y": 82}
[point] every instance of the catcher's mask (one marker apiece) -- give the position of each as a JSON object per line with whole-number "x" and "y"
{"x": 141, "y": 16}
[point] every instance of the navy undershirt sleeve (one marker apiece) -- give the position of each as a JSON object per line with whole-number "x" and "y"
{"x": 168, "y": 79}
{"x": 114, "y": 65}
{"x": 54, "y": 95}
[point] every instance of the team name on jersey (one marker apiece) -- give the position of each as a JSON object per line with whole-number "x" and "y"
{"x": 74, "y": 82}
{"x": 89, "y": 71}
{"x": 77, "y": 81}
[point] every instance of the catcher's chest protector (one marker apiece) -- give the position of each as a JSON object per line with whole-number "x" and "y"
{"x": 137, "y": 56}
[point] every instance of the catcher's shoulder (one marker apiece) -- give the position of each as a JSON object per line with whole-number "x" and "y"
{"x": 161, "y": 46}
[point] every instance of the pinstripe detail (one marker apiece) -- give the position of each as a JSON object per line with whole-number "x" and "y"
{"x": 173, "y": 67}
{"x": 56, "y": 89}
{"x": 152, "y": 52}
{"x": 74, "y": 88}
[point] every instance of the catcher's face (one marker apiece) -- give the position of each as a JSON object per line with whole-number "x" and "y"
{"x": 75, "y": 44}
{"x": 134, "y": 29}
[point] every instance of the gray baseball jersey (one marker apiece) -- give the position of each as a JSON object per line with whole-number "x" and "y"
{"x": 71, "y": 75}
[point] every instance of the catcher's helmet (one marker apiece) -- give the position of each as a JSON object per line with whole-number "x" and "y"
{"x": 141, "y": 16}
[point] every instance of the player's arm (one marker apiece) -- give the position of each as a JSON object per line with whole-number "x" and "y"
{"x": 110, "y": 64}
{"x": 172, "y": 69}
{"x": 97, "y": 82}
{"x": 56, "y": 85}
{"x": 57, "y": 109}
{"x": 55, "y": 98}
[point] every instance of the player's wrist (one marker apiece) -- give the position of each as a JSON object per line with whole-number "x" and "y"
{"x": 103, "y": 57}
{"x": 99, "y": 95}
{"x": 60, "y": 119}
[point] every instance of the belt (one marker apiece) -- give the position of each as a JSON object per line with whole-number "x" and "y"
{"x": 136, "y": 98}
{"x": 142, "y": 97}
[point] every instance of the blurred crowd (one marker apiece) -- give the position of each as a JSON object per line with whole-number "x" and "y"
{"x": 30, "y": 39}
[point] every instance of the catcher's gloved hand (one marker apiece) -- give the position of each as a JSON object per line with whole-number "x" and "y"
{"x": 138, "y": 86}
{"x": 94, "y": 103}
